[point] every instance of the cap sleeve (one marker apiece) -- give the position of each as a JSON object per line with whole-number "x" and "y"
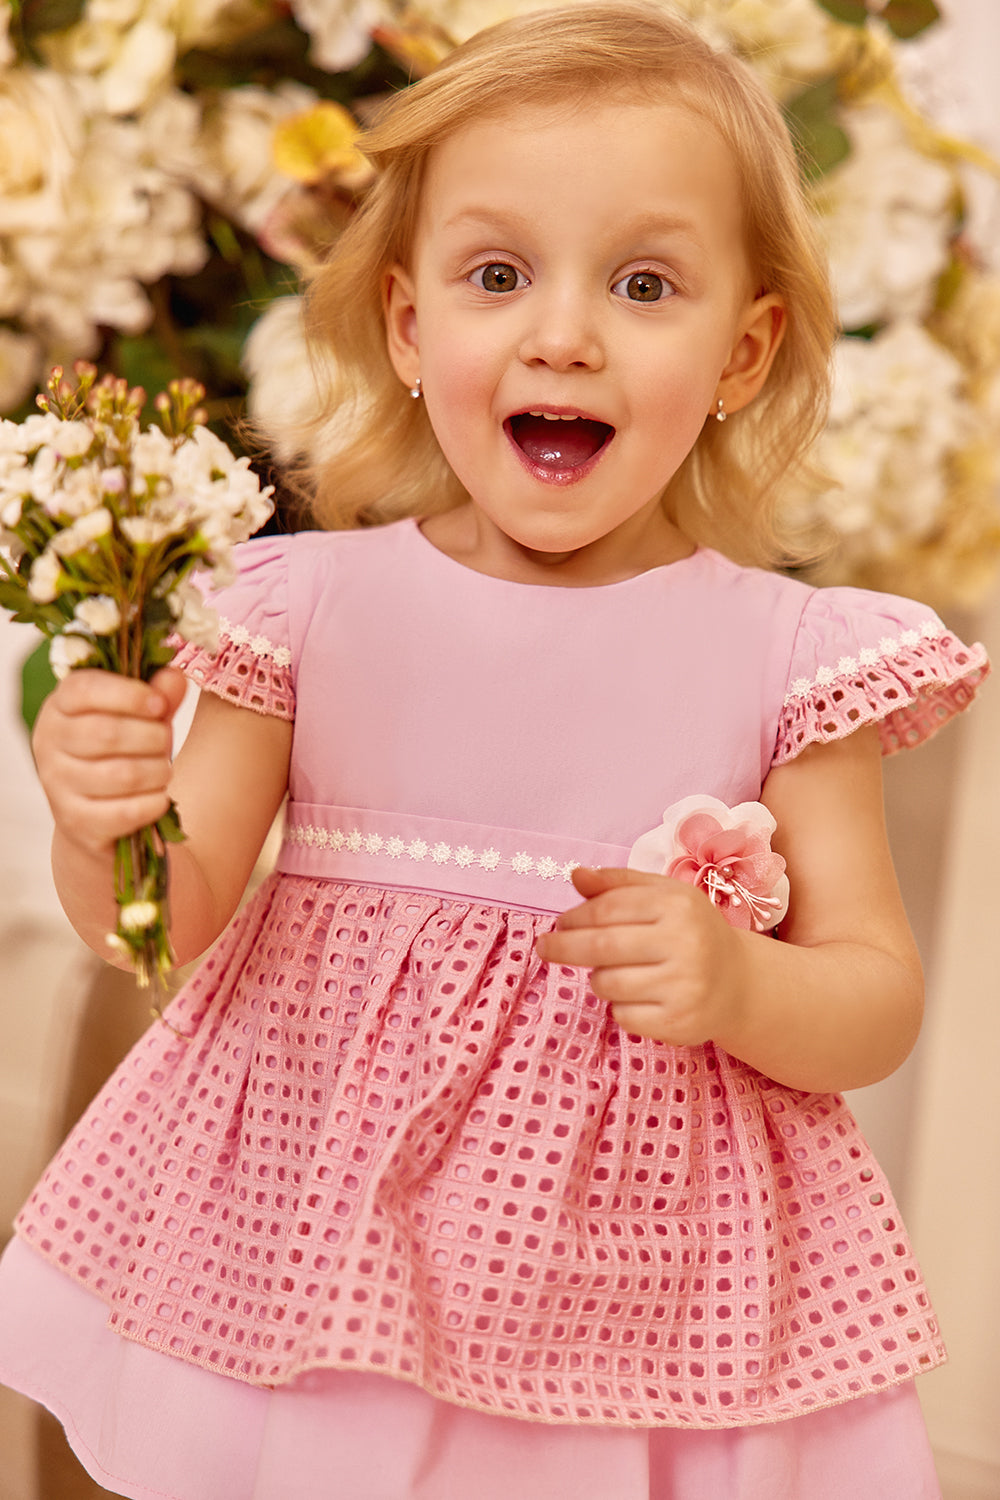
{"x": 253, "y": 664}
{"x": 862, "y": 658}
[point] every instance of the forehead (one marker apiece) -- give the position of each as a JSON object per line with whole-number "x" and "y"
{"x": 631, "y": 153}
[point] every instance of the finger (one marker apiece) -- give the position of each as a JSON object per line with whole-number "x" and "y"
{"x": 591, "y": 882}
{"x": 98, "y": 824}
{"x": 594, "y": 947}
{"x": 101, "y": 736}
{"x": 116, "y": 776}
{"x": 170, "y": 684}
{"x": 84, "y": 692}
{"x": 625, "y": 904}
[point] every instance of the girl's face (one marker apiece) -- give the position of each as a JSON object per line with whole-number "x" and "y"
{"x": 577, "y": 301}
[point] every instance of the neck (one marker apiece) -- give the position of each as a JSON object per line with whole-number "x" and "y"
{"x": 645, "y": 541}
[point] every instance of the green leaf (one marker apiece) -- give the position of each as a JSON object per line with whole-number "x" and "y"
{"x": 907, "y": 18}
{"x": 852, "y": 12}
{"x": 819, "y": 138}
{"x": 169, "y": 826}
{"x": 13, "y": 596}
{"x": 37, "y": 682}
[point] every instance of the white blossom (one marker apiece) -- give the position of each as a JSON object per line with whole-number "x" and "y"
{"x": 88, "y": 211}
{"x": 83, "y": 533}
{"x": 73, "y": 492}
{"x": 45, "y": 578}
{"x": 288, "y": 378}
{"x": 342, "y": 34}
{"x": 67, "y": 651}
{"x": 789, "y": 43}
{"x": 138, "y": 916}
{"x": 152, "y": 454}
{"x": 72, "y": 439}
{"x": 888, "y": 218}
{"x": 99, "y": 613}
{"x": 10, "y": 513}
{"x": 148, "y": 530}
{"x": 237, "y": 172}
{"x": 897, "y": 417}
{"x": 194, "y": 619}
{"x": 126, "y": 49}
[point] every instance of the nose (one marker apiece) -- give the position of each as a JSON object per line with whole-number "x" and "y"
{"x": 562, "y": 331}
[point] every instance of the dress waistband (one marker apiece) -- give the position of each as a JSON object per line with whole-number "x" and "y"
{"x": 503, "y": 865}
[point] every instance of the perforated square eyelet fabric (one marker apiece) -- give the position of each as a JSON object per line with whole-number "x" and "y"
{"x": 397, "y": 1142}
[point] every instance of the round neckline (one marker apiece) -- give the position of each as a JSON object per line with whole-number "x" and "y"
{"x": 413, "y": 522}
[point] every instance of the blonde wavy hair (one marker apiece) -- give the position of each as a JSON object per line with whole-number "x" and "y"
{"x": 381, "y": 460}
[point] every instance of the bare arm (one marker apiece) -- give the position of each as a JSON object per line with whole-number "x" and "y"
{"x": 102, "y": 745}
{"x": 835, "y": 1005}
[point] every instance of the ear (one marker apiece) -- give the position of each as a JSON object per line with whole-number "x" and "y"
{"x": 400, "y": 311}
{"x": 759, "y": 333}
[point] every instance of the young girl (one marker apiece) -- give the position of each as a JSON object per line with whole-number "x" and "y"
{"x": 496, "y": 1149}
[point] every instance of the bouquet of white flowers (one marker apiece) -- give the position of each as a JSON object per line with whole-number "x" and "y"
{"x": 103, "y": 521}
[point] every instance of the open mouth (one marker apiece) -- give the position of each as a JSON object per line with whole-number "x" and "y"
{"x": 558, "y": 443}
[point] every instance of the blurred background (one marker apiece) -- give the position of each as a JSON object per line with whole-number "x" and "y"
{"x": 170, "y": 170}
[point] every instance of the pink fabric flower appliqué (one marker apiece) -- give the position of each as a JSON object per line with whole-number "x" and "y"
{"x": 724, "y": 850}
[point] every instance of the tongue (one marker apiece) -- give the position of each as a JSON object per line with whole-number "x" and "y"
{"x": 559, "y": 444}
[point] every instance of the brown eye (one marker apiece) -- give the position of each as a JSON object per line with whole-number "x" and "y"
{"x": 497, "y": 277}
{"x": 642, "y": 286}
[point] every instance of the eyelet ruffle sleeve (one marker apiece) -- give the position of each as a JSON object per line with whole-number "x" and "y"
{"x": 253, "y": 664}
{"x": 862, "y": 658}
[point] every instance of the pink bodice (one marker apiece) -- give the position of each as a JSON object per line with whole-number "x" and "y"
{"x": 397, "y": 1142}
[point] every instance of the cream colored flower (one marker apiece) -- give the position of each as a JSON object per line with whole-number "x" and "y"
{"x": 67, "y": 651}
{"x": 238, "y": 171}
{"x": 72, "y": 439}
{"x": 342, "y": 34}
{"x": 46, "y": 579}
{"x": 148, "y": 530}
{"x": 84, "y": 532}
{"x": 127, "y": 49}
{"x": 288, "y": 380}
{"x": 789, "y": 43}
{"x": 88, "y": 213}
{"x": 75, "y": 492}
{"x": 41, "y": 133}
{"x": 138, "y": 916}
{"x": 99, "y": 613}
{"x": 195, "y": 620}
{"x": 888, "y": 216}
{"x": 898, "y": 418}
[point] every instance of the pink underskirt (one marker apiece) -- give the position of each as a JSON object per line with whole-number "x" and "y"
{"x": 156, "y": 1428}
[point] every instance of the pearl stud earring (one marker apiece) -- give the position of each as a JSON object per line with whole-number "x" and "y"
{"x": 720, "y": 412}
{"x": 415, "y": 390}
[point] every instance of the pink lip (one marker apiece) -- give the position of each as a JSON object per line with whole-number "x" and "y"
{"x": 546, "y": 474}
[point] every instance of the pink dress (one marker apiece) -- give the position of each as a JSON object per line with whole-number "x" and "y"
{"x": 401, "y": 1177}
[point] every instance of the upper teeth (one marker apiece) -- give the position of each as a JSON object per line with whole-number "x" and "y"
{"x": 553, "y": 416}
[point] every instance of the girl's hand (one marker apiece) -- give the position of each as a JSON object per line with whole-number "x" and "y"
{"x": 662, "y": 955}
{"x": 102, "y": 746}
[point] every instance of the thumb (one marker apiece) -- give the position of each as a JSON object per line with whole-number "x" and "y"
{"x": 169, "y": 684}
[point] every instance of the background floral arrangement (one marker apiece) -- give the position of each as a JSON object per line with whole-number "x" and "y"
{"x": 170, "y": 168}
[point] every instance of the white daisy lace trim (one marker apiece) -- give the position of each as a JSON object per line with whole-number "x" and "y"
{"x": 419, "y": 851}
{"x": 258, "y": 645}
{"x": 870, "y": 656}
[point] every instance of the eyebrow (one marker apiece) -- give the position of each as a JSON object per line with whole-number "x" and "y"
{"x": 637, "y": 228}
